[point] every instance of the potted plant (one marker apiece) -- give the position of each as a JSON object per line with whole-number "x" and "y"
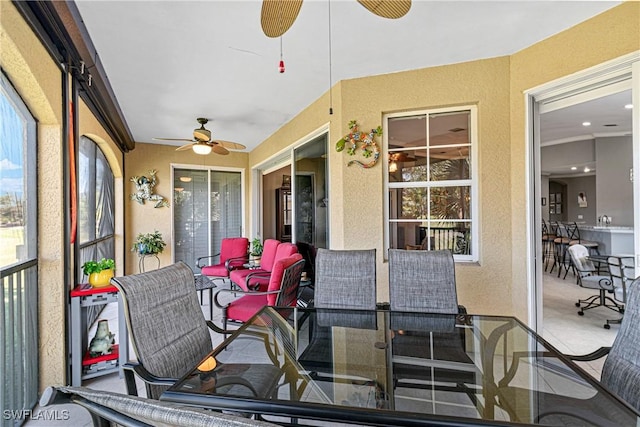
{"x": 256, "y": 250}
{"x": 99, "y": 272}
{"x": 149, "y": 243}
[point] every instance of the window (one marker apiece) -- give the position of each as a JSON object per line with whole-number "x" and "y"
{"x": 207, "y": 207}
{"x": 18, "y": 253}
{"x": 95, "y": 205}
{"x": 431, "y": 181}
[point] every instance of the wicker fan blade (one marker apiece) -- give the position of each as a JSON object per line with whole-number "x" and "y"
{"x": 278, "y": 16}
{"x": 230, "y": 145}
{"x": 219, "y": 149}
{"x": 392, "y": 9}
{"x": 185, "y": 147}
{"x": 173, "y": 139}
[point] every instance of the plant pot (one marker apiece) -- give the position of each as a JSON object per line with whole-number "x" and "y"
{"x": 101, "y": 279}
{"x": 255, "y": 259}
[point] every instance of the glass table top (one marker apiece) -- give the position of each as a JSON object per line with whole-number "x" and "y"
{"x": 399, "y": 368}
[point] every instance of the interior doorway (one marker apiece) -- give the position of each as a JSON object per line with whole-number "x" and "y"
{"x": 587, "y": 125}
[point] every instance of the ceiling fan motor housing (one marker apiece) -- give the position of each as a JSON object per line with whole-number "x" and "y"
{"x": 202, "y": 134}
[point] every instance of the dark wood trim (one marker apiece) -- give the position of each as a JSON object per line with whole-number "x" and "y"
{"x": 59, "y": 27}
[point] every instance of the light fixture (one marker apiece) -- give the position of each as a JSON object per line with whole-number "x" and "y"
{"x": 179, "y": 189}
{"x": 185, "y": 178}
{"x": 393, "y": 167}
{"x": 201, "y": 148}
{"x": 628, "y": 106}
{"x": 586, "y": 169}
{"x": 573, "y": 168}
{"x": 586, "y": 123}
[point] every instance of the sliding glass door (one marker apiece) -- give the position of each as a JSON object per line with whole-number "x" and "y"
{"x": 207, "y": 207}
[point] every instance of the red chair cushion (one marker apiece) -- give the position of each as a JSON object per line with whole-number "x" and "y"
{"x": 285, "y": 250}
{"x": 233, "y": 247}
{"x": 239, "y": 278}
{"x": 276, "y": 275}
{"x": 269, "y": 254}
{"x": 215, "y": 270}
{"x": 243, "y": 308}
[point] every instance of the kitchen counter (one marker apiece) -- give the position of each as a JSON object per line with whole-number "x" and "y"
{"x": 612, "y": 239}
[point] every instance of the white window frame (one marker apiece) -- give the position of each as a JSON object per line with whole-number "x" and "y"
{"x": 472, "y": 181}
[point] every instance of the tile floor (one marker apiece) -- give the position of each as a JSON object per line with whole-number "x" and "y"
{"x": 562, "y": 328}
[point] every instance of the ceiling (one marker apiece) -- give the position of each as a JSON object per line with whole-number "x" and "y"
{"x": 169, "y": 62}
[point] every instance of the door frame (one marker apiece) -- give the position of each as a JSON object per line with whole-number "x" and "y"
{"x": 598, "y": 78}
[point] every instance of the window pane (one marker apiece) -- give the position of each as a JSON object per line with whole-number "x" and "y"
{"x": 450, "y": 203}
{"x": 406, "y": 235}
{"x": 408, "y": 203}
{"x": 455, "y": 236}
{"x": 449, "y": 128}
{"x": 408, "y": 166}
{"x": 407, "y": 132}
{"x": 449, "y": 163}
{"x": 17, "y": 188}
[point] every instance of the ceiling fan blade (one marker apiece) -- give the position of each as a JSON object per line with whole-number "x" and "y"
{"x": 392, "y": 9}
{"x": 173, "y": 139}
{"x": 185, "y": 147}
{"x": 278, "y": 16}
{"x": 219, "y": 149}
{"x": 230, "y": 145}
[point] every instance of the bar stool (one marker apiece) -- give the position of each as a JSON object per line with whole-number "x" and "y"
{"x": 548, "y": 236}
{"x": 560, "y": 245}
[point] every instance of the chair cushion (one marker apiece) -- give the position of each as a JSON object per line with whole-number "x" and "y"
{"x": 269, "y": 254}
{"x": 218, "y": 270}
{"x": 239, "y": 277}
{"x": 243, "y": 308}
{"x": 233, "y": 247}
{"x": 276, "y": 275}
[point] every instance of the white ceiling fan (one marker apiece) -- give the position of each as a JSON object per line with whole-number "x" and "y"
{"x": 202, "y": 142}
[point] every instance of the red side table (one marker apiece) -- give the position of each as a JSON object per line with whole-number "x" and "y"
{"x": 83, "y": 366}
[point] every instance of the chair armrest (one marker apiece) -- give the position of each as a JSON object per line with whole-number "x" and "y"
{"x": 234, "y": 263}
{"x": 256, "y": 275}
{"x": 147, "y": 376}
{"x": 199, "y": 265}
{"x": 601, "y": 352}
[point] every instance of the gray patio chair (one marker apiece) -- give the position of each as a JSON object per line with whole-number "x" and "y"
{"x": 622, "y": 271}
{"x": 422, "y": 281}
{"x": 168, "y": 331}
{"x": 131, "y": 411}
{"x": 587, "y": 277}
{"x": 345, "y": 279}
{"x": 620, "y": 375}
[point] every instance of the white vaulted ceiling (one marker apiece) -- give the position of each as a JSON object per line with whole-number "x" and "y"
{"x": 170, "y": 62}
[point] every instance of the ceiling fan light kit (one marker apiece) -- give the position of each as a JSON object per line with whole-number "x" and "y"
{"x": 201, "y": 148}
{"x": 202, "y": 142}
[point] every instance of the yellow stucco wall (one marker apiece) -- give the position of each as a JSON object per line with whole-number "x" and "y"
{"x": 607, "y": 36}
{"x": 145, "y": 218}
{"x": 496, "y": 87}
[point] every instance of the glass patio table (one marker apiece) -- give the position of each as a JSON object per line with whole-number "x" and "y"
{"x": 393, "y": 368}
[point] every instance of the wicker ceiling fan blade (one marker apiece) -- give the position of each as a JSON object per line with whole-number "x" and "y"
{"x": 392, "y": 9}
{"x": 277, "y": 16}
{"x": 173, "y": 139}
{"x": 185, "y": 147}
{"x": 219, "y": 149}
{"x": 230, "y": 145}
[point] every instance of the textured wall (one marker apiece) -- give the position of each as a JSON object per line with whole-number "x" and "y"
{"x": 607, "y": 36}
{"x": 145, "y": 218}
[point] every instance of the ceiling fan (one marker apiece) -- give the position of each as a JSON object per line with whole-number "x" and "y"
{"x": 202, "y": 142}
{"x": 278, "y": 16}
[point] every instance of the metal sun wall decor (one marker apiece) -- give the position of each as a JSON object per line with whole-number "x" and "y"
{"x": 366, "y": 141}
{"x": 144, "y": 187}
